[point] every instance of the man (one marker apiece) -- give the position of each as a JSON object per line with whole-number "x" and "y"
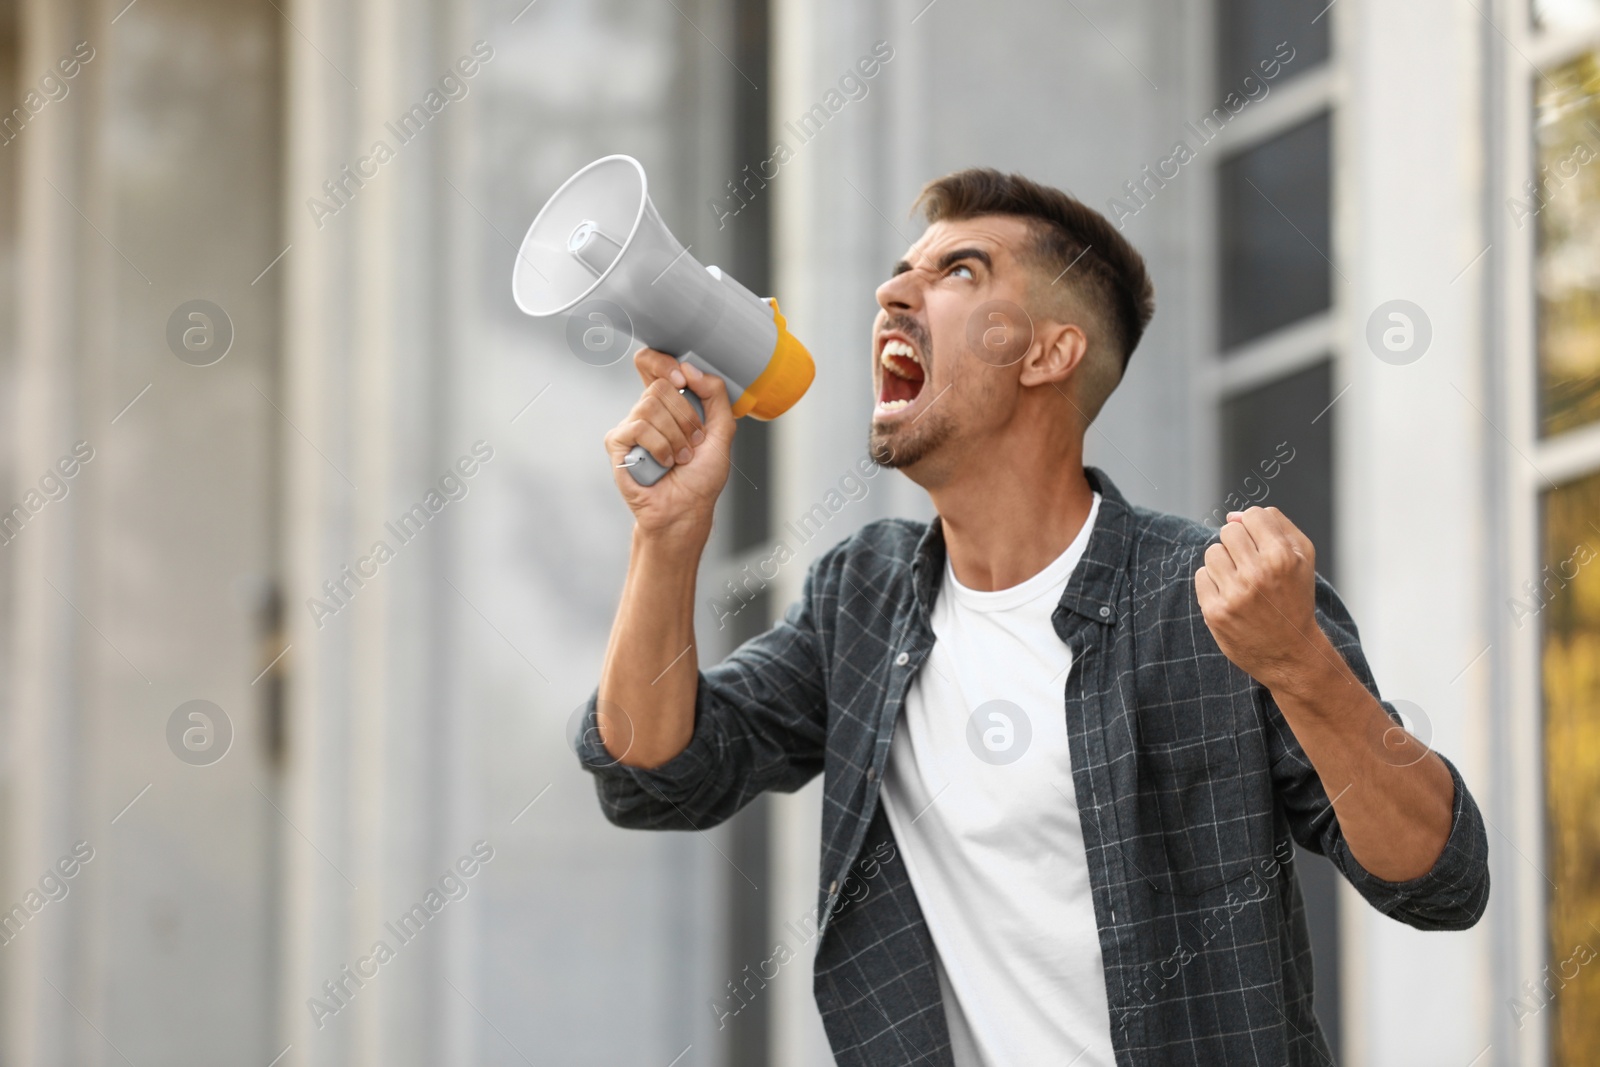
{"x": 1065, "y": 742}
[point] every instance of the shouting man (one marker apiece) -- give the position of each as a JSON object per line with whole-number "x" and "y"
{"x": 1062, "y": 788}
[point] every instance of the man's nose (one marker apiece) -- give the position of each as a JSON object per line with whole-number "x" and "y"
{"x": 903, "y": 292}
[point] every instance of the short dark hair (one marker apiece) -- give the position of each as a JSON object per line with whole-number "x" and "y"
{"x": 1106, "y": 269}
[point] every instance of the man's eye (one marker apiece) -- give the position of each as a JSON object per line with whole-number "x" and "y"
{"x": 961, "y": 267}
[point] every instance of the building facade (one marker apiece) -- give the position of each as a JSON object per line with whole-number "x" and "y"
{"x": 1372, "y": 229}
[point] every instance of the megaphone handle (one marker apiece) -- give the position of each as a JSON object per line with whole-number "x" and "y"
{"x": 642, "y": 465}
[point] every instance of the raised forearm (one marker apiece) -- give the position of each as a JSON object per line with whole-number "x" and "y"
{"x": 1392, "y": 795}
{"x": 1394, "y": 798}
{"x": 648, "y": 682}
{"x": 647, "y": 686}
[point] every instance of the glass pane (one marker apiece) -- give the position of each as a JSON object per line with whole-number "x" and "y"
{"x": 1250, "y": 31}
{"x": 1564, "y": 14}
{"x": 1565, "y": 199}
{"x": 1277, "y": 449}
{"x": 1274, "y": 454}
{"x": 1275, "y": 233}
{"x": 1567, "y": 598}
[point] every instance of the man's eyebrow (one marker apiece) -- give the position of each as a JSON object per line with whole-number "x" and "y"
{"x": 956, "y": 255}
{"x": 950, "y": 259}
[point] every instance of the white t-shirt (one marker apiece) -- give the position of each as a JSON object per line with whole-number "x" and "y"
{"x": 980, "y": 797}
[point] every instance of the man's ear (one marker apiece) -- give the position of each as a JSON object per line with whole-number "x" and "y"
{"x": 1058, "y": 350}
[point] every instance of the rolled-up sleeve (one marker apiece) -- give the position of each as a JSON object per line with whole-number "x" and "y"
{"x": 1454, "y": 892}
{"x": 760, "y": 723}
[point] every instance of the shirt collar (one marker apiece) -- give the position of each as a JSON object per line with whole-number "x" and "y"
{"x": 1092, "y": 590}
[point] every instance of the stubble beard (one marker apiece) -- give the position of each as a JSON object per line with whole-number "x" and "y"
{"x": 898, "y": 446}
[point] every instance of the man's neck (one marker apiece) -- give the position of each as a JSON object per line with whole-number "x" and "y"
{"x": 1010, "y": 522}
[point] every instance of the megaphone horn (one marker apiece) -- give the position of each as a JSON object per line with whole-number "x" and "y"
{"x": 599, "y": 247}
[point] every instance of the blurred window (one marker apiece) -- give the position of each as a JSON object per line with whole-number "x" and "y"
{"x": 1277, "y": 450}
{"x": 1564, "y": 14}
{"x": 1275, "y": 233}
{"x": 1248, "y": 31}
{"x": 1566, "y": 598}
{"x": 1564, "y": 197}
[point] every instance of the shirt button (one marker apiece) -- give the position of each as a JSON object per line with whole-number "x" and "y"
{"x": 1104, "y": 612}
{"x": 902, "y": 659}
{"x": 833, "y": 887}
{"x": 872, "y": 773}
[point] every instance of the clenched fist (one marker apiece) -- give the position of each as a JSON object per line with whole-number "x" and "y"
{"x": 665, "y": 424}
{"x": 1257, "y": 592}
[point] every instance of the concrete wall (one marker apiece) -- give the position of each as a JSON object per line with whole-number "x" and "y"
{"x": 1416, "y": 509}
{"x": 150, "y": 183}
{"x": 376, "y": 343}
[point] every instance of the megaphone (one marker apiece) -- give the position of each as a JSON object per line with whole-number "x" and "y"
{"x": 599, "y": 251}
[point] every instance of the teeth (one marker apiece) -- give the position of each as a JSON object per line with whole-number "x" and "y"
{"x": 897, "y": 347}
{"x": 893, "y": 405}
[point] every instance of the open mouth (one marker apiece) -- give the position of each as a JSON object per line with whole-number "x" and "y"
{"x": 902, "y": 377}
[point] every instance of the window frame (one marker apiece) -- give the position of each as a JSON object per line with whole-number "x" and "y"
{"x": 1222, "y": 374}
{"x": 1226, "y": 372}
{"x": 1518, "y": 53}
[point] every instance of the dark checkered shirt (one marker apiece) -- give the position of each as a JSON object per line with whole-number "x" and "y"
{"x": 1189, "y": 781}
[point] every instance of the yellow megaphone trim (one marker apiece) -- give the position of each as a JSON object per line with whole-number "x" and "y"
{"x": 785, "y": 380}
